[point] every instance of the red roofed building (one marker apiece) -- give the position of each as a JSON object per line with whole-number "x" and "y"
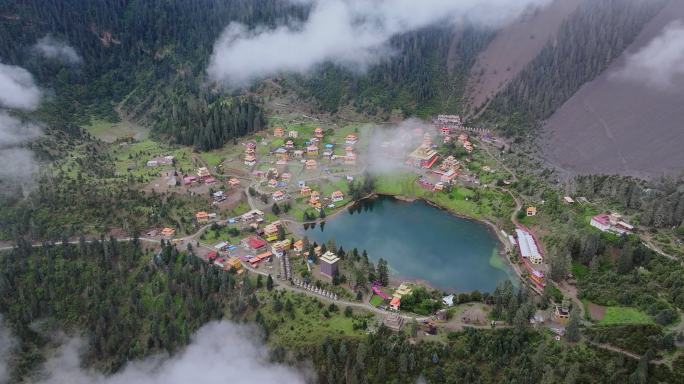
{"x": 254, "y": 243}
{"x": 254, "y": 261}
{"x": 202, "y": 217}
{"x": 395, "y": 304}
{"x": 611, "y": 222}
{"x": 233, "y": 182}
{"x": 168, "y": 233}
{"x": 537, "y": 277}
{"x": 211, "y": 256}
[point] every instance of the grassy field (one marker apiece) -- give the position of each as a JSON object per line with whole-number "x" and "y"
{"x": 135, "y": 156}
{"x": 213, "y": 158}
{"x": 461, "y": 200}
{"x": 298, "y": 209}
{"x": 376, "y": 300}
{"x": 397, "y": 184}
{"x": 580, "y": 271}
{"x": 306, "y": 322}
{"x": 327, "y": 187}
{"x": 241, "y": 208}
{"x": 110, "y": 132}
{"x": 211, "y": 237}
{"x": 624, "y": 315}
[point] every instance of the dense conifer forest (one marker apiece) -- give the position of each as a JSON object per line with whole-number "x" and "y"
{"x": 135, "y": 303}
{"x": 147, "y": 60}
{"x": 144, "y": 59}
{"x": 426, "y": 76}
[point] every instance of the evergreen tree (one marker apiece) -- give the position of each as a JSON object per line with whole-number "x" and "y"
{"x": 269, "y": 283}
{"x": 383, "y": 272}
{"x": 572, "y": 330}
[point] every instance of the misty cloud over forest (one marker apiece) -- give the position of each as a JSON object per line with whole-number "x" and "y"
{"x": 51, "y": 48}
{"x": 17, "y": 88}
{"x": 660, "y": 64}
{"x": 7, "y": 343}
{"x": 18, "y": 91}
{"x": 219, "y": 353}
{"x": 352, "y": 33}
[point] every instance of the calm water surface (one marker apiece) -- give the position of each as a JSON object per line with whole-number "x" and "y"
{"x": 420, "y": 242}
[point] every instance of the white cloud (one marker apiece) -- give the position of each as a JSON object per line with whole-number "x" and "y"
{"x": 17, "y": 88}
{"x": 20, "y": 163}
{"x": 17, "y": 91}
{"x": 19, "y": 167}
{"x": 660, "y": 63}
{"x": 389, "y": 145}
{"x": 51, "y": 48}
{"x": 15, "y": 132}
{"x": 352, "y": 33}
{"x": 220, "y": 352}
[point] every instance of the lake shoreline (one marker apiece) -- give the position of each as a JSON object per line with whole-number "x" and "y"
{"x": 494, "y": 230}
{"x": 396, "y": 277}
{"x": 491, "y": 227}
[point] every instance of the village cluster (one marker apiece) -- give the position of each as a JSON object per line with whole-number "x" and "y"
{"x": 438, "y": 171}
{"x": 312, "y": 154}
{"x": 290, "y": 172}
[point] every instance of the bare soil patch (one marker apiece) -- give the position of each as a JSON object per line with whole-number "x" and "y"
{"x": 596, "y": 312}
{"x": 621, "y": 127}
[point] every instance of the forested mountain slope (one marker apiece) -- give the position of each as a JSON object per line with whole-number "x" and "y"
{"x": 426, "y": 77}
{"x": 618, "y": 125}
{"x": 147, "y": 60}
{"x": 147, "y": 56}
{"x": 586, "y": 44}
{"x": 513, "y": 48}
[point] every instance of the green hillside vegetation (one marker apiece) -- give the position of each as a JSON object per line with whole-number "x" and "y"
{"x": 130, "y": 308}
{"x": 419, "y": 80}
{"x": 161, "y": 299}
{"x": 90, "y": 190}
{"x": 142, "y": 92}
{"x": 625, "y": 315}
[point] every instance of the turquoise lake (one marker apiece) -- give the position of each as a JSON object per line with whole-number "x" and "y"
{"x": 420, "y": 242}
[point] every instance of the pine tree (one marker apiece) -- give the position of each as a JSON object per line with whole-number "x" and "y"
{"x": 572, "y": 331}
{"x": 383, "y": 272}
{"x": 269, "y": 283}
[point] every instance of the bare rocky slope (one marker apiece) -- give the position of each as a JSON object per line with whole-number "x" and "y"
{"x": 616, "y": 126}
{"x": 513, "y": 48}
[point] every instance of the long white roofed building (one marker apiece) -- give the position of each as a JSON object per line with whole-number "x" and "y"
{"x": 528, "y": 247}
